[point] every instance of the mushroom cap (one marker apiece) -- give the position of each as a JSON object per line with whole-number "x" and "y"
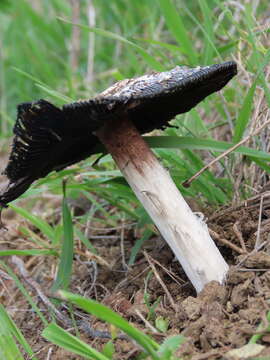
{"x": 154, "y": 99}
{"x": 48, "y": 138}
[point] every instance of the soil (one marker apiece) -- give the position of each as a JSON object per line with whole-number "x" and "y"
{"x": 215, "y": 323}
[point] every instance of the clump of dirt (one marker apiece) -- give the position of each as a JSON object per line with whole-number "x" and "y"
{"x": 219, "y": 319}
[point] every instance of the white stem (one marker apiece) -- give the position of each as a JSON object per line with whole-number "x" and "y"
{"x": 186, "y": 234}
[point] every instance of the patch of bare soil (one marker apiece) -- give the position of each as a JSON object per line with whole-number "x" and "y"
{"x": 218, "y": 320}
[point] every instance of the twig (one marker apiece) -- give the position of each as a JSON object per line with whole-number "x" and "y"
{"x": 113, "y": 228}
{"x": 253, "y": 270}
{"x": 4, "y": 287}
{"x": 252, "y": 252}
{"x": 49, "y": 353}
{"x": 122, "y": 247}
{"x": 239, "y": 236}
{"x": 5, "y": 275}
{"x": 207, "y": 355}
{"x": 122, "y": 282}
{"x": 257, "y": 243}
{"x": 188, "y": 182}
{"x": 93, "y": 274}
{"x": 90, "y": 216}
{"x": 164, "y": 287}
{"x": 21, "y": 267}
{"x": 244, "y": 203}
{"x": 169, "y": 272}
{"x": 146, "y": 322}
{"x": 226, "y": 242}
{"x": 82, "y": 324}
{"x": 2, "y": 225}
{"x": 104, "y": 237}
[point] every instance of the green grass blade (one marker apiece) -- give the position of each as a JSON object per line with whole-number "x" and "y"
{"x": 151, "y": 61}
{"x": 34, "y": 237}
{"x": 61, "y": 337}
{"x": 227, "y": 47}
{"x": 260, "y": 57}
{"x": 194, "y": 164}
{"x": 29, "y": 76}
{"x": 27, "y": 252}
{"x": 55, "y": 94}
{"x": 100, "y": 207}
{"x": 173, "y": 48}
{"x": 178, "y": 30}
{"x": 209, "y": 30}
{"x": 262, "y": 164}
{"x": 66, "y": 256}
{"x": 106, "y": 314}
{"x": 176, "y": 142}
{"x": 85, "y": 241}
{"x": 244, "y": 114}
{"x": 8, "y": 347}
{"x": 123, "y": 206}
{"x": 137, "y": 246}
{"x": 11, "y": 328}
{"x": 195, "y": 125}
{"x": 42, "y": 225}
{"x": 209, "y": 37}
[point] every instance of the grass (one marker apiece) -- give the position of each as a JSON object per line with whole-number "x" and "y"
{"x": 129, "y": 41}
{"x": 151, "y": 348}
{"x": 9, "y": 332}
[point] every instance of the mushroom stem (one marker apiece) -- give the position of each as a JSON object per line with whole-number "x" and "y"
{"x": 186, "y": 234}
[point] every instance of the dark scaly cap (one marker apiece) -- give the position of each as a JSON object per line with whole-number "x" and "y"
{"x": 48, "y": 138}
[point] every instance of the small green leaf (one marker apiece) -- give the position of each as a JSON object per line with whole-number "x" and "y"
{"x": 161, "y": 324}
{"x": 170, "y": 345}
{"x": 108, "y": 349}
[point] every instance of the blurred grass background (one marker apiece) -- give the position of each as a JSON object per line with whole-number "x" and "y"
{"x": 44, "y": 56}
{"x": 63, "y": 51}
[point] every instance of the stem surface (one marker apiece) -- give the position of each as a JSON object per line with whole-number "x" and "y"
{"x": 186, "y": 234}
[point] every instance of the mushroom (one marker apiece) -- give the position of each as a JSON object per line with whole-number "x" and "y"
{"x": 48, "y": 138}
